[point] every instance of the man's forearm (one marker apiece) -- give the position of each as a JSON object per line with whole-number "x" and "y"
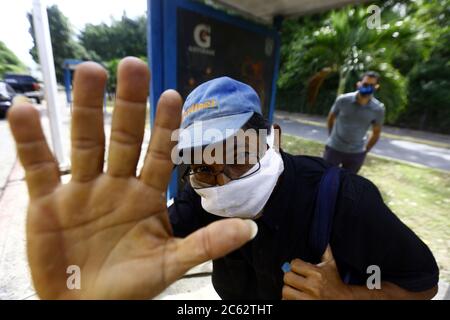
{"x": 372, "y": 141}
{"x": 390, "y": 291}
{"x": 330, "y": 124}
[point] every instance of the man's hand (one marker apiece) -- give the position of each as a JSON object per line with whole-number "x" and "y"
{"x": 323, "y": 282}
{"x": 113, "y": 225}
{"x": 374, "y": 137}
{"x": 330, "y": 122}
{"x": 306, "y": 281}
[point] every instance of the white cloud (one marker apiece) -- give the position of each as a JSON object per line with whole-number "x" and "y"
{"x": 14, "y": 23}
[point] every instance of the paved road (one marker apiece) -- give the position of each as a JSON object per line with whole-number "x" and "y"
{"x": 398, "y": 149}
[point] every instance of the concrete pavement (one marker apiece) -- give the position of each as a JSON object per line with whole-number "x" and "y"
{"x": 7, "y": 153}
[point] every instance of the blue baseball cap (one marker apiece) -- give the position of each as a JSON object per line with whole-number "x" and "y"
{"x": 222, "y": 106}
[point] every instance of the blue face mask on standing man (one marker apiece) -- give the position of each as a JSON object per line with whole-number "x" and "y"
{"x": 366, "y": 90}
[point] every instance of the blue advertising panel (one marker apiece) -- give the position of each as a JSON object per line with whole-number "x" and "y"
{"x": 190, "y": 43}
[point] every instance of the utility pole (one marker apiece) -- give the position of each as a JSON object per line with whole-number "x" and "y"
{"x": 44, "y": 45}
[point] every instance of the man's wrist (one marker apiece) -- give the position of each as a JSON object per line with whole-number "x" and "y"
{"x": 349, "y": 292}
{"x": 364, "y": 293}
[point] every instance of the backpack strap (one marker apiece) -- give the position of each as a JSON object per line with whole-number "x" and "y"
{"x": 321, "y": 226}
{"x": 320, "y": 232}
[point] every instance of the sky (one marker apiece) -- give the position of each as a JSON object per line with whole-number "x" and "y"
{"x": 14, "y": 23}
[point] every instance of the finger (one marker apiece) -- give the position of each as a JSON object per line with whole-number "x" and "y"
{"x": 87, "y": 133}
{"x": 327, "y": 257}
{"x": 158, "y": 163}
{"x": 296, "y": 281}
{"x": 127, "y": 128}
{"x": 289, "y": 293}
{"x": 208, "y": 243}
{"x": 41, "y": 169}
{"x": 303, "y": 268}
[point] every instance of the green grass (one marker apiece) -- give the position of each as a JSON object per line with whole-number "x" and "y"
{"x": 419, "y": 196}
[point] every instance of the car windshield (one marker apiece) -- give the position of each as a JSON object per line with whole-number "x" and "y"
{"x": 6, "y": 89}
{"x": 3, "y": 88}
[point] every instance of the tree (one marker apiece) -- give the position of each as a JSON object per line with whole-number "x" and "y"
{"x": 322, "y": 56}
{"x": 340, "y": 46}
{"x": 111, "y": 67}
{"x": 63, "y": 39}
{"x": 429, "y": 79}
{"x": 9, "y": 61}
{"x": 125, "y": 37}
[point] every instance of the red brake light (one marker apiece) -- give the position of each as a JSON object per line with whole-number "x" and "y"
{"x": 36, "y": 86}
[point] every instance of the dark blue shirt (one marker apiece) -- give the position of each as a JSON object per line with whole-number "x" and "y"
{"x": 365, "y": 232}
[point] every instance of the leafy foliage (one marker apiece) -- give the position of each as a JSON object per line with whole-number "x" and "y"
{"x": 429, "y": 89}
{"x": 9, "y": 61}
{"x": 64, "y": 43}
{"x": 125, "y": 37}
{"x": 324, "y": 55}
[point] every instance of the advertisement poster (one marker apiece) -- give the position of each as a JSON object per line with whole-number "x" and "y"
{"x": 209, "y": 48}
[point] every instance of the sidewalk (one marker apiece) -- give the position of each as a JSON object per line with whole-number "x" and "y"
{"x": 8, "y": 154}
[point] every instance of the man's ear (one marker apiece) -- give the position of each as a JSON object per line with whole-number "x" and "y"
{"x": 277, "y": 137}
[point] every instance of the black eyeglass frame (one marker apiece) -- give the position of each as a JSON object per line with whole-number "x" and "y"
{"x": 187, "y": 174}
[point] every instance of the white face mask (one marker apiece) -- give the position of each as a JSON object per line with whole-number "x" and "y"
{"x": 246, "y": 197}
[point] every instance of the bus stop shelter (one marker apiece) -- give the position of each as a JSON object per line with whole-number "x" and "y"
{"x": 190, "y": 42}
{"x": 69, "y": 66}
{"x": 265, "y": 11}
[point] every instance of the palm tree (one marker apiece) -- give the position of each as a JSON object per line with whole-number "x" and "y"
{"x": 342, "y": 44}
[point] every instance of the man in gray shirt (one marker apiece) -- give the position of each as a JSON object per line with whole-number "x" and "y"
{"x": 348, "y": 122}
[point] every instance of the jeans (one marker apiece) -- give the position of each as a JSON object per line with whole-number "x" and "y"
{"x": 349, "y": 161}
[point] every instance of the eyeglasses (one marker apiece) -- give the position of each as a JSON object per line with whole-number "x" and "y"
{"x": 205, "y": 176}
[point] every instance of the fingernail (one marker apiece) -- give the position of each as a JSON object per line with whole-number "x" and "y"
{"x": 253, "y": 227}
{"x": 286, "y": 267}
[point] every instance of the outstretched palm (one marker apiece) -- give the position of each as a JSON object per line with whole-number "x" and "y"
{"x": 113, "y": 225}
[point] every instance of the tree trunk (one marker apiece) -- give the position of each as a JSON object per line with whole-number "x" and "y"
{"x": 342, "y": 82}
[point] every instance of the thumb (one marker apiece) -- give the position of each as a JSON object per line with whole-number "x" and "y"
{"x": 327, "y": 257}
{"x": 209, "y": 243}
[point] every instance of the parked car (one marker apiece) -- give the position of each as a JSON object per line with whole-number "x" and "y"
{"x": 26, "y": 85}
{"x": 7, "y": 93}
